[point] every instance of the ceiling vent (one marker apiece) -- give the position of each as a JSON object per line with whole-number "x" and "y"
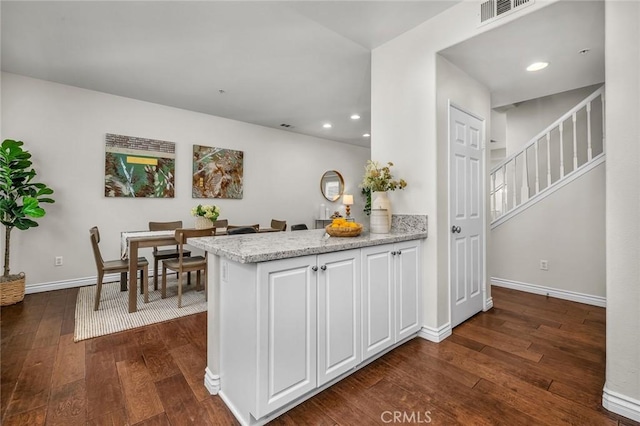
{"x": 491, "y": 10}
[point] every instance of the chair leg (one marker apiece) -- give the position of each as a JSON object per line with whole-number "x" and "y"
{"x": 141, "y": 289}
{"x": 155, "y": 273}
{"x": 96, "y": 303}
{"x": 123, "y": 281}
{"x": 189, "y": 278}
{"x": 198, "y": 280}
{"x": 180, "y": 290}
{"x": 145, "y": 284}
{"x": 164, "y": 281}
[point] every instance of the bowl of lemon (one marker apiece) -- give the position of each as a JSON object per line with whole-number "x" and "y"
{"x": 340, "y": 227}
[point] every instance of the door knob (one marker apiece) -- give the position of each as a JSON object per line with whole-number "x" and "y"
{"x": 323, "y": 267}
{"x": 314, "y": 268}
{"x": 455, "y": 229}
{"x": 393, "y": 253}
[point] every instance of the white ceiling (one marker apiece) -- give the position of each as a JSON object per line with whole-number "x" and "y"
{"x": 302, "y": 63}
{"x": 554, "y": 34}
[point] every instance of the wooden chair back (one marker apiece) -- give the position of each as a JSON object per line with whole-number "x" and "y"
{"x": 280, "y": 225}
{"x": 164, "y": 226}
{"x": 299, "y": 227}
{"x": 242, "y": 230}
{"x": 221, "y": 223}
{"x": 95, "y": 241}
{"x": 182, "y": 235}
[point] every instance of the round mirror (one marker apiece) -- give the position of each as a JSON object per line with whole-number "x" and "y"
{"x": 332, "y": 185}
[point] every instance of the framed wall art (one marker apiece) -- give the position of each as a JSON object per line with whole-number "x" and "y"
{"x": 139, "y": 167}
{"x": 217, "y": 172}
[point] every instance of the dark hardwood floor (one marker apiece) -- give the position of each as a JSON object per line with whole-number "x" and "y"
{"x": 530, "y": 360}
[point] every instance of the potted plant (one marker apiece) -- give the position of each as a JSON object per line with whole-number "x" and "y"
{"x": 20, "y": 199}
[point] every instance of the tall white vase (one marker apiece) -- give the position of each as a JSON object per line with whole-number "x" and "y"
{"x": 379, "y": 200}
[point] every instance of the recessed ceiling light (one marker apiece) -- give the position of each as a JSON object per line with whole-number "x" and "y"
{"x": 366, "y": 135}
{"x": 537, "y": 66}
{"x": 355, "y": 117}
{"x": 327, "y": 125}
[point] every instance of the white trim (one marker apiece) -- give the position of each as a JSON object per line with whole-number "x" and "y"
{"x": 436, "y": 335}
{"x": 550, "y": 190}
{"x": 211, "y": 382}
{"x": 621, "y": 404}
{"x": 76, "y": 282}
{"x": 64, "y": 284}
{"x": 573, "y": 296}
{"x": 488, "y": 304}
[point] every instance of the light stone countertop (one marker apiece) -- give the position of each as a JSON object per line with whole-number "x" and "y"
{"x": 254, "y": 248}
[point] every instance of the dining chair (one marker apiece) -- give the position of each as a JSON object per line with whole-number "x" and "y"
{"x": 220, "y": 223}
{"x": 242, "y": 230}
{"x": 184, "y": 264}
{"x": 114, "y": 266}
{"x": 280, "y": 225}
{"x": 163, "y": 254}
{"x": 299, "y": 227}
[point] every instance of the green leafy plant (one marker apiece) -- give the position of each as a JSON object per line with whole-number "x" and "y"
{"x": 378, "y": 178}
{"x": 20, "y": 196}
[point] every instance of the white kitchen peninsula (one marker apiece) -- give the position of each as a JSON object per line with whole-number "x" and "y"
{"x": 291, "y": 313}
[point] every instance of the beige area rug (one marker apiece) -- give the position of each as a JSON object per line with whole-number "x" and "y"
{"x": 113, "y": 315}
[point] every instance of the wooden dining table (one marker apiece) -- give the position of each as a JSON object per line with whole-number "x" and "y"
{"x": 141, "y": 239}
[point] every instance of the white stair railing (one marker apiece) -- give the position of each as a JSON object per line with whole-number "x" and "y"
{"x": 542, "y": 160}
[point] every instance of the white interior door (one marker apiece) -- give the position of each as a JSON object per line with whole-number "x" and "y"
{"x": 466, "y": 195}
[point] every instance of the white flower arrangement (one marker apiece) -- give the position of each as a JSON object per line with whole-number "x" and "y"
{"x": 208, "y": 211}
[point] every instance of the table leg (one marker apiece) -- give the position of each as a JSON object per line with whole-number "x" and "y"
{"x": 133, "y": 276}
{"x": 123, "y": 281}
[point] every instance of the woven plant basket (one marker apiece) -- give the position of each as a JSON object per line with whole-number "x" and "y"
{"x": 12, "y": 292}
{"x": 344, "y": 231}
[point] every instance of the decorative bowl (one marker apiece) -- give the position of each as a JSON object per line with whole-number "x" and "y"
{"x": 344, "y": 231}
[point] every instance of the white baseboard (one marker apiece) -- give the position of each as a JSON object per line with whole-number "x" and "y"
{"x": 621, "y": 404}
{"x": 488, "y": 304}
{"x": 436, "y": 335}
{"x": 63, "y": 284}
{"x": 550, "y": 291}
{"x": 211, "y": 381}
{"x": 76, "y": 282}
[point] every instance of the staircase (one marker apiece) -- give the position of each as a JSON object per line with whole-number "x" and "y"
{"x": 568, "y": 148}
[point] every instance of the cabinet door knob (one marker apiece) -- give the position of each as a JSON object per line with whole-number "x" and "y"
{"x": 399, "y": 252}
{"x": 323, "y": 267}
{"x": 393, "y": 253}
{"x": 314, "y": 268}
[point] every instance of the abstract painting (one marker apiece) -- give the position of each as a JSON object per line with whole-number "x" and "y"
{"x": 217, "y": 172}
{"x": 138, "y": 167}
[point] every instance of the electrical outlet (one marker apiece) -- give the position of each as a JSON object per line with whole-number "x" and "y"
{"x": 58, "y": 261}
{"x": 544, "y": 265}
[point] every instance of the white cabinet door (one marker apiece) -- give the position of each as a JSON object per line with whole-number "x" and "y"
{"x": 378, "y": 305}
{"x": 287, "y": 366}
{"x": 339, "y": 345}
{"x": 407, "y": 286}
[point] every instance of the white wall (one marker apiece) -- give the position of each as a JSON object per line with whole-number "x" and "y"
{"x": 64, "y": 128}
{"x": 622, "y": 66}
{"x": 566, "y": 229}
{"x": 529, "y": 118}
{"x": 404, "y": 130}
